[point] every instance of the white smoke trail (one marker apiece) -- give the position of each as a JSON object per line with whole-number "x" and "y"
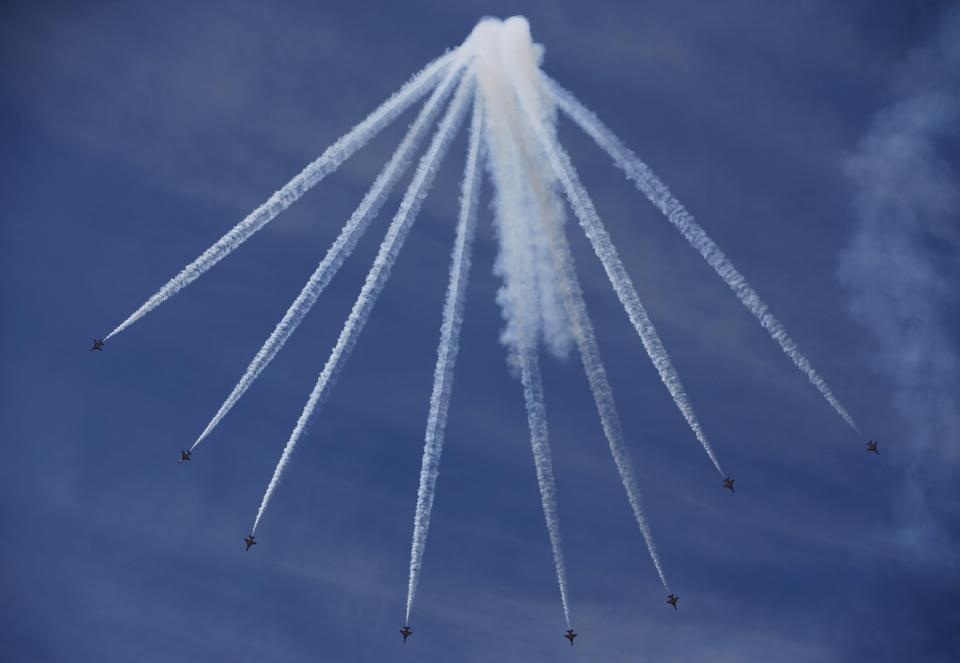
{"x": 342, "y": 247}
{"x": 602, "y": 391}
{"x": 378, "y": 274}
{"x": 524, "y": 298}
{"x": 537, "y": 420}
{"x": 525, "y": 78}
{"x": 603, "y": 394}
{"x": 658, "y": 193}
{"x": 551, "y": 218}
{"x": 327, "y": 163}
{"x": 603, "y": 247}
{"x": 446, "y": 352}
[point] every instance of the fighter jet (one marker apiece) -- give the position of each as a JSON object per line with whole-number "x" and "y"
{"x": 672, "y": 600}
{"x": 97, "y": 345}
{"x": 570, "y": 635}
{"x": 250, "y": 541}
{"x": 728, "y": 483}
{"x": 405, "y": 632}
{"x": 184, "y": 455}
{"x": 872, "y": 446}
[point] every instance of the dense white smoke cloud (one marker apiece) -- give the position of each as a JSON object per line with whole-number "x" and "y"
{"x": 530, "y": 302}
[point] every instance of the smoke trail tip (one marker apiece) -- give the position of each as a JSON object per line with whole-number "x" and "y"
{"x": 853, "y": 425}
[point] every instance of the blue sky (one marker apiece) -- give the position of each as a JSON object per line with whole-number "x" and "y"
{"x": 136, "y": 134}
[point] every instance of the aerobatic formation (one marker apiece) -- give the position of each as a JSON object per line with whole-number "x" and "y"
{"x": 513, "y": 106}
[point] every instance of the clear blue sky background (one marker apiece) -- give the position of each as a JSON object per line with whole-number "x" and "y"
{"x": 135, "y": 134}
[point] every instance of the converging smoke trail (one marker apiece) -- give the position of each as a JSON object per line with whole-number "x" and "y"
{"x": 447, "y": 351}
{"x": 603, "y": 397}
{"x": 603, "y": 247}
{"x": 589, "y": 350}
{"x": 537, "y": 420}
{"x": 327, "y": 163}
{"x": 526, "y": 297}
{"x": 658, "y": 193}
{"x": 378, "y": 274}
{"x": 524, "y": 78}
{"x": 550, "y": 217}
{"x": 342, "y": 247}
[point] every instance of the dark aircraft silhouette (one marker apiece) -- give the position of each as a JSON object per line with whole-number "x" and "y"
{"x": 250, "y": 541}
{"x": 184, "y": 455}
{"x": 872, "y": 446}
{"x": 728, "y": 483}
{"x": 672, "y": 600}
{"x": 570, "y": 635}
{"x": 405, "y": 632}
{"x": 97, "y": 345}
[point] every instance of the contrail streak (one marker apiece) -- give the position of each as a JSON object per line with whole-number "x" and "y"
{"x": 342, "y": 247}
{"x": 525, "y": 297}
{"x": 603, "y": 247}
{"x": 603, "y": 397}
{"x": 327, "y": 163}
{"x": 446, "y": 352}
{"x": 658, "y": 193}
{"x": 537, "y": 420}
{"x": 377, "y": 276}
{"x": 551, "y": 221}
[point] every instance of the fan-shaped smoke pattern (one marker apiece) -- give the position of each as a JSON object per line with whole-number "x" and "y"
{"x": 514, "y": 129}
